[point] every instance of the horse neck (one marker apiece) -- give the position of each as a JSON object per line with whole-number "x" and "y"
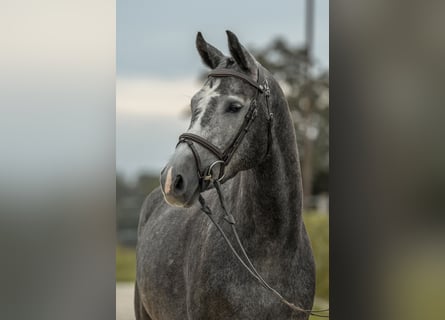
{"x": 271, "y": 201}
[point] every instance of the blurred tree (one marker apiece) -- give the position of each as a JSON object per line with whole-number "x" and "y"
{"x": 129, "y": 199}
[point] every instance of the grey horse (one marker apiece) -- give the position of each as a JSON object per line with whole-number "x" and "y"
{"x": 185, "y": 270}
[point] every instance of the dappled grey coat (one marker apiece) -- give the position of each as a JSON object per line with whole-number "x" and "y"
{"x": 185, "y": 270}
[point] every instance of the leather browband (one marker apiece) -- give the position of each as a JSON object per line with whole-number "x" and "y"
{"x": 232, "y": 73}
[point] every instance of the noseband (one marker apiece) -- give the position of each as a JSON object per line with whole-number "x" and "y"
{"x": 205, "y": 175}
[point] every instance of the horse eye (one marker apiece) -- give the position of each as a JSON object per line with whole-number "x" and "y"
{"x": 234, "y": 107}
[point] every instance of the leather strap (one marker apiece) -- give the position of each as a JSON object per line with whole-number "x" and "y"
{"x": 249, "y": 265}
{"x": 203, "y": 142}
{"x": 233, "y": 73}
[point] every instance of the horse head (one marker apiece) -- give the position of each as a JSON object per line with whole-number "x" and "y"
{"x": 229, "y": 128}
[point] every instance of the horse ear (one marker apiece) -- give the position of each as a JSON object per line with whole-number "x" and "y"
{"x": 244, "y": 59}
{"x": 209, "y": 54}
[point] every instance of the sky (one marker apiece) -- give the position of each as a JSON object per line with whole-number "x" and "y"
{"x": 158, "y": 65}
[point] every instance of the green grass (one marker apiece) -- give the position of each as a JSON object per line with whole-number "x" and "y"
{"x": 125, "y": 264}
{"x": 317, "y": 226}
{"x": 319, "y": 304}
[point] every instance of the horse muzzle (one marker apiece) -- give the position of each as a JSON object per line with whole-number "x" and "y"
{"x": 179, "y": 182}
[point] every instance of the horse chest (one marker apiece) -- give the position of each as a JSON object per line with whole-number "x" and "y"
{"x": 188, "y": 269}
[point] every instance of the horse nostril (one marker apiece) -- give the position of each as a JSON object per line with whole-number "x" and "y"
{"x": 179, "y": 183}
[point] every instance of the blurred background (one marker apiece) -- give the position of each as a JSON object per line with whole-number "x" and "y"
{"x": 58, "y": 132}
{"x": 159, "y": 70}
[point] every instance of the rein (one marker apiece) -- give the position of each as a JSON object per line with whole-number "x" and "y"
{"x": 249, "y": 266}
{"x": 206, "y": 177}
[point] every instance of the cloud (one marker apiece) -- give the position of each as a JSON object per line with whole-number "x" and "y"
{"x": 153, "y": 96}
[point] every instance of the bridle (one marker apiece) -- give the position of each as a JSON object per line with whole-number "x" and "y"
{"x": 205, "y": 175}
